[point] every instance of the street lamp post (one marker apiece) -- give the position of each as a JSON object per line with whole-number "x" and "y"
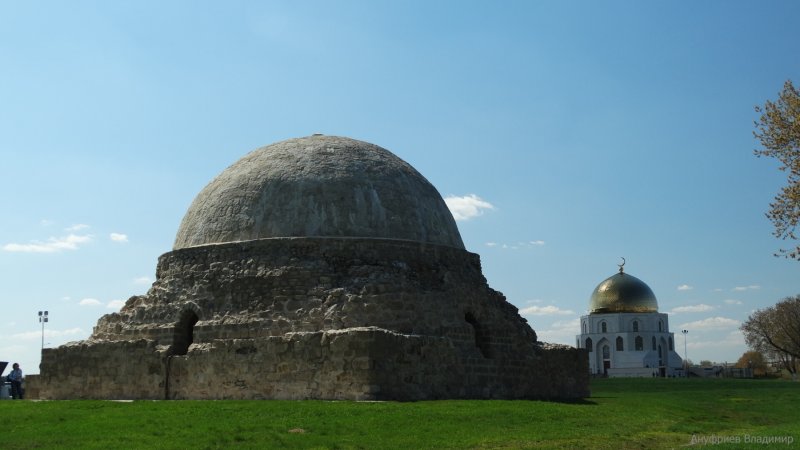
{"x": 685, "y": 359}
{"x": 43, "y": 319}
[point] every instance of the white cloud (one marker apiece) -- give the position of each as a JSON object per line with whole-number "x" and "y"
{"x": 747, "y": 288}
{"x": 693, "y": 308}
{"x": 46, "y": 222}
{"x": 76, "y": 227}
{"x": 548, "y": 310}
{"x": 115, "y": 304}
{"x": 711, "y": 323}
{"x": 71, "y": 242}
{"x": 48, "y": 334}
{"x": 467, "y": 207}
{"x": 117, "y": 237}
{"x": 89, "y": 302}
{"x": 517, "y": 245}
{"x": 718, "y": 289}
{"x": 685, "y": 287}
{"x": 142, "y": 280}
{"x": 731, "y": 301}
{"x": 559, "y": 332}
{"x": 733, "y": 339}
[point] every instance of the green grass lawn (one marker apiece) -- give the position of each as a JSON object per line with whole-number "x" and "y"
{"x": 622, "y": 413}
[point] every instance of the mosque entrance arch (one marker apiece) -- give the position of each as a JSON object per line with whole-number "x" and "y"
{"x": 663, "y": 357}
{"x": 603, "y": 356}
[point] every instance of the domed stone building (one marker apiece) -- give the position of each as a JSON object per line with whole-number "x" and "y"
{"x": 624, "y": 333}
{"x": 320, "y": 267}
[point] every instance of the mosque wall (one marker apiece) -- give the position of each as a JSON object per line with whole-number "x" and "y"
{"x": 651, "y": 329}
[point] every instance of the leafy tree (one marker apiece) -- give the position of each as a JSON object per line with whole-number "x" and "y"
{"x": 754, "y": 360}
{"x": 706, "y": 363}
{"x": 787, "y": 362}
{"x": 778, "y": 130}
{"x": 775, "y": 331}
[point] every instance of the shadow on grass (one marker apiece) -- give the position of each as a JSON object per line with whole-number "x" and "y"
{"x": 578, "y": 401}
{"x": 572, "y": 401}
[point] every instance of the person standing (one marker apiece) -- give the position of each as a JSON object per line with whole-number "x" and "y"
{"x": 15, "y": 377}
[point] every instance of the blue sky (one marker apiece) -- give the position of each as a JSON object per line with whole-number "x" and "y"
{"x": 565, "y": 135}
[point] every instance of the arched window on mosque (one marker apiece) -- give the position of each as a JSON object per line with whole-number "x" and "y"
{"x": 670, "y": 345}
{"x": 584, "y": 327}
{"x": 635, "y": 325}
{"x": 639, "y": 343}
{"x": 654, "y": 342}
{"x": 606, "y": 352}
{"x": 660, "y": 326}
{"x": 620, "y": 346}
{"x": 603, "y": 328}
{"x": 589, "y": 344}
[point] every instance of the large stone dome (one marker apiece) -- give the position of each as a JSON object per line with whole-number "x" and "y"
{"x": 622, "y": 293}
{"x": 318, "y": 186}
{"x": 316, "y": 268}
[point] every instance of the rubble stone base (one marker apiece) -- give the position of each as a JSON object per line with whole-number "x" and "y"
{"x": 353, "y": 364}
{"x": 356, "y": 319}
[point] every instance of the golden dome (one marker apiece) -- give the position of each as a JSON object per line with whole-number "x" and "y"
{"x": 622, "y": 293}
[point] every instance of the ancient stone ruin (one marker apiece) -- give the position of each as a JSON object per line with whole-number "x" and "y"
{"x": 315, "y": 268}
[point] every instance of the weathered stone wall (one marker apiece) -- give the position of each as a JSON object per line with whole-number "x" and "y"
{"x": 276, "y": 286}
{"x": 107, "y": 370}
{"x": 354, "y": 364}
{"x": 337, "y": 364}
{"x": 369, "y": 364}
{"x": 315, "y": 318}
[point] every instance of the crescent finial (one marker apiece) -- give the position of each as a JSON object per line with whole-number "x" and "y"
{"x": 621, "y": 265}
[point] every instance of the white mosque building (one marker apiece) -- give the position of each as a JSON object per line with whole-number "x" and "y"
{"x": 625, "y": 334}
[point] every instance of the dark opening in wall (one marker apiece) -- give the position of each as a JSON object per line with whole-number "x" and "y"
{"x": 481, "y": 337}
{"x": 184, "y": 333}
